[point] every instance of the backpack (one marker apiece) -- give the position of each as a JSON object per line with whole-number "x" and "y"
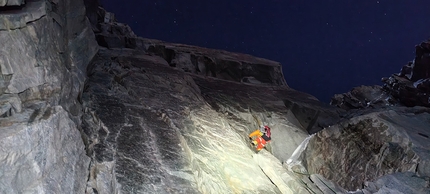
{"x": 268, "y": 132}
{"x": 266, "y": 135}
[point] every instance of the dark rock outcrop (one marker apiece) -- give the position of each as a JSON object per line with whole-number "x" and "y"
{"x": 420, "y": 67}
{"x": 410, "y": 87}
{"x": 363, "y": 97}
{"x": 217, "y": 63}
{"x": 197, "y": 60}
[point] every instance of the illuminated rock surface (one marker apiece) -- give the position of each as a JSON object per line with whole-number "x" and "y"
{"x": 153, "y": 128}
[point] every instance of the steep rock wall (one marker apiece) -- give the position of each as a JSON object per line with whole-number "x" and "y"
{"x": 170, "y": 118}
{"x": 149, "y": 129}
{"x": 46, "y": 46}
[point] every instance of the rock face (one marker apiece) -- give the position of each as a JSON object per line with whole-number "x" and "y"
{"x": 46, "y": 46}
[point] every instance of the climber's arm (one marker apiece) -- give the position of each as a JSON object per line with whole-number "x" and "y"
{"x": 255, "y": 133}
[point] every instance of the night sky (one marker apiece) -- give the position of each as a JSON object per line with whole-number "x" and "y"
{"x": 326, "y": 47}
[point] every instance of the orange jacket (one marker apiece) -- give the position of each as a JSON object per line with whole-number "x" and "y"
{"x": 259, "y": 140}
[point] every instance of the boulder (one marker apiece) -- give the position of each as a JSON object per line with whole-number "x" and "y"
{"x": 372, "y": 145}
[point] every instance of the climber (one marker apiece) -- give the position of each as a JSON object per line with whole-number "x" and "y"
{"x": 262, "y": 137}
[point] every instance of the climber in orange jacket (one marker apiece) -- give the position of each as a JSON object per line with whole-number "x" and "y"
{"x": 262, "y": 137}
